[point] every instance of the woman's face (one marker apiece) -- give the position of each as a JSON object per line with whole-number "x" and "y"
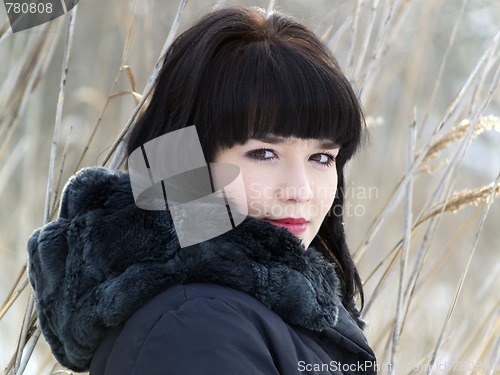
{"x": 290, "y": 182}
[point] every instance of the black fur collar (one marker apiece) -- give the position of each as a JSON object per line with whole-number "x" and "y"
{"x": 103, "y": 258}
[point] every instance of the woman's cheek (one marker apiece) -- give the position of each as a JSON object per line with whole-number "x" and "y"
{"x": 255, "y": 209}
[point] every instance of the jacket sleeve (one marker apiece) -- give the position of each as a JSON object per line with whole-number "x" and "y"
{"x": 202, "y": 336}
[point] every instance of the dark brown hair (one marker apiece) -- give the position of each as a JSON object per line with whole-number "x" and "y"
{"x": 240, "y": 73}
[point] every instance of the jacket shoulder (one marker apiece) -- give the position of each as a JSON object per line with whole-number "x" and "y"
{"x": 208, "y": 328}
{"x": 192, "y": 328}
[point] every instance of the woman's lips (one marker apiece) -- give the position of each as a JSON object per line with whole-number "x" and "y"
{"x": 293, "y": 225}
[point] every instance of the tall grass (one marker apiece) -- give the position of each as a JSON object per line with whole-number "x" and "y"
{"x": 421, "y": 217}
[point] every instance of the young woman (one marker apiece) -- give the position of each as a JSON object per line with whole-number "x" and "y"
{"x": 116, "y": 292}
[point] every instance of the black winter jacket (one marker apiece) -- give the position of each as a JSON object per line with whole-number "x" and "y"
{"x": 115, "y": 293}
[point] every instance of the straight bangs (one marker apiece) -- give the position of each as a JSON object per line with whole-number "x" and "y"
{"x": 270, "y": 89}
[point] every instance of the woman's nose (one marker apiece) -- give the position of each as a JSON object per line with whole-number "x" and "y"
{"x": 295, "y": 185}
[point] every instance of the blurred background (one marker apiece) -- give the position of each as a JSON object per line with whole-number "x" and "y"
{"x": 427, "y": 73}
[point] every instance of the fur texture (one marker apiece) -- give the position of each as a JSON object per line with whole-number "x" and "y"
{"x": 103, "y": 258}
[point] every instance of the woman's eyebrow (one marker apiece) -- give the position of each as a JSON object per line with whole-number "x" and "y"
{"x": 329, "y": 145}
{"x": 273, "y": 139}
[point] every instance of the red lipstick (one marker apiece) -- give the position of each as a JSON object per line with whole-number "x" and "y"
{"x": 293, "y": 225}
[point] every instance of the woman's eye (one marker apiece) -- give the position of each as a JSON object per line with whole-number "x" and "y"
{"x": 324, "y": 159}
{"x": 262, "y": 154}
